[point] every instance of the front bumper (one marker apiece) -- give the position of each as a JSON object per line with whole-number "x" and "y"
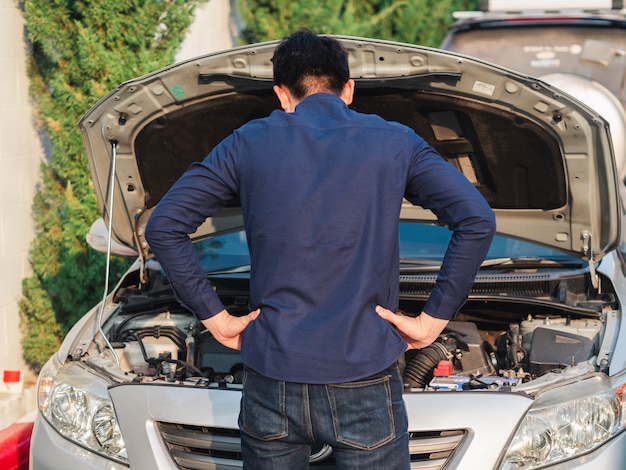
{"x": 487, "y": 419}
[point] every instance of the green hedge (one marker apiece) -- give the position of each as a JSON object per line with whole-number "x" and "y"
{"x": 80, "y": 51}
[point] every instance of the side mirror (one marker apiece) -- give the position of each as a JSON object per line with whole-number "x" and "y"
{"x": 97, "y": 239}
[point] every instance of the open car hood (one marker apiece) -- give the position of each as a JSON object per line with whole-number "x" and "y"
{"x": 542, "y": 159}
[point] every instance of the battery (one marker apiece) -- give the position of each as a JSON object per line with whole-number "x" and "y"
{"x": 450, "y": 382}
{"x": 462, "y": 382}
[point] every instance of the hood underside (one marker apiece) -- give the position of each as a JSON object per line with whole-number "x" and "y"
{"x": 542, "y": 160}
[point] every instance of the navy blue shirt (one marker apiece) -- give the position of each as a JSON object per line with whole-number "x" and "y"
{"x": 321, "y": 190}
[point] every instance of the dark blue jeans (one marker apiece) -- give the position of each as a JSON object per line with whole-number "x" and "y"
{"x": 365, "y": 422}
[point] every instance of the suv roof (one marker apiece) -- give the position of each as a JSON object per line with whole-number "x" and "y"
{"x": 586, "y": 44}
{"x": 555, "y": 5}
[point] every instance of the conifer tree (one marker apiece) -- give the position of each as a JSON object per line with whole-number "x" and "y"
{"x": 81, "y": 50}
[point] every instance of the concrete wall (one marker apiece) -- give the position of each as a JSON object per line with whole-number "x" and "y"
{"x": 215, "y": 28}
{"x": 20, "y": 156}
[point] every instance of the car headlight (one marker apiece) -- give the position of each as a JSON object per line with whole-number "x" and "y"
{"x": 568, "y": 421}
{"x": 76, "y": 403}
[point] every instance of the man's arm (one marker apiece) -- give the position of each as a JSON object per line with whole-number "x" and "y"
{"x": 435, "y": 184}
{"x": 201, "y": 192}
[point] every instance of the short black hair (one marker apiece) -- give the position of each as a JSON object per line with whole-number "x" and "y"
{"x": 305, "y": 60}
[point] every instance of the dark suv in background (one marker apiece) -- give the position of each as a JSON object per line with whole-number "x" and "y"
{"x": 578, "y": 46}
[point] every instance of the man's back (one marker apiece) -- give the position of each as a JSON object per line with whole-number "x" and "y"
{"x": 321, "y": 190}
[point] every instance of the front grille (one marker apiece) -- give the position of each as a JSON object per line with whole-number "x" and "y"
{"x": 205, "y": 448}
{"x": 432, "y": 450}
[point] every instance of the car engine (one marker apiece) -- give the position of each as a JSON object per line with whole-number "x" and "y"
{"x": 171, "y": 345}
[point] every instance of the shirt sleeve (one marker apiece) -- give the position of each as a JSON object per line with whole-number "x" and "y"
{"x": 204, "y": 189}
{"x": 435, "y": 184}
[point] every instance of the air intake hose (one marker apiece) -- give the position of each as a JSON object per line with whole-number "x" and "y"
{"x": 419, "y": 371}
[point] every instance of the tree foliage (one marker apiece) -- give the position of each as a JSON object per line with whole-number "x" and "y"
{"x": 81, "y": 49}
{"x": 422, "y": 22}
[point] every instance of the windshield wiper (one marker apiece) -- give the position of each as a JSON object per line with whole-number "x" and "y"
{"x": 411, "y": 265}
{"x": 424, "y": 264}
{"x": 243, "y": 268}
{"x": 420, "y": 261}
{"x": 529, "y": 262}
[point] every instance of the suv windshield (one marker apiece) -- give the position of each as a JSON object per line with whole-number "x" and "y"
{"x": 540, "y": 46}
{"x": 419, "y": 243}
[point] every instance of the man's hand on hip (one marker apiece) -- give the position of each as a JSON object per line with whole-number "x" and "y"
{"x": 227, "y": 328}
{"x": 418, "y": 332}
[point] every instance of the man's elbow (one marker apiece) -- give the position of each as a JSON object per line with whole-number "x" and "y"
{"x": 481, "y": 224}
{"x": 154, "y": 229}
{"x": 490, "y": 223}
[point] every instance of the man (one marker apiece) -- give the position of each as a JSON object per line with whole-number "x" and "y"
{"x": 321, "y": 188}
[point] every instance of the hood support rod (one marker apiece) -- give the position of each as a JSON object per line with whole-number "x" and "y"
{"x": 587, "y": 251}
{"x": 108, "y": 209}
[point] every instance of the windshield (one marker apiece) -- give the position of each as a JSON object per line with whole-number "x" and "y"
{"x": 229, "y": 251}
{"x": 429, "y": 242}
{"x": 223, "y": 252}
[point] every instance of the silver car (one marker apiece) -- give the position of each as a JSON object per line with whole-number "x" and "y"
{"x": 530, "y": 374}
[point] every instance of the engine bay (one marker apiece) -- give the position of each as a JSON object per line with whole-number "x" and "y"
{"x": 497, "y": 341}
{"x": 464, "y": 358}
{"x": 169, "y": 344}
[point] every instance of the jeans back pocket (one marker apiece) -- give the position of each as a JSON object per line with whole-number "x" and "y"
{"x": 263, "y": 407}
{"x": 363, "y": 412}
